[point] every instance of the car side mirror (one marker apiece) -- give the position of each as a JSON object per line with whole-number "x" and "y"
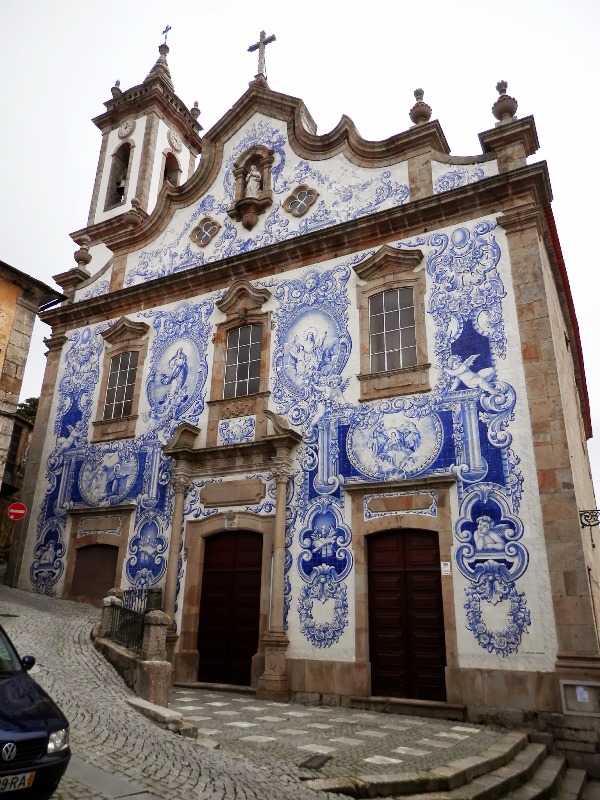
{"x": 28, "y": 662}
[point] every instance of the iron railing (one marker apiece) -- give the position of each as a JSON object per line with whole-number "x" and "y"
{"x": 127, "y": 623}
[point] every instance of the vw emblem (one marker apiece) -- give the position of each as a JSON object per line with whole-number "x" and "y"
{"x": 9, "y": 751}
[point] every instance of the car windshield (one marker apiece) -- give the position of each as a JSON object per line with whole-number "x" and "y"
{"x": 10, "y": 663}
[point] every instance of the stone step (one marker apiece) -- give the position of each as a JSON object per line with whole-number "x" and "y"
{"x": 573, "y": 785}
{"x": 550, "y": 780}
{"x": 499, "y": 783}
{"x": 544, "y": 783}
{"x": 512, "y": 748}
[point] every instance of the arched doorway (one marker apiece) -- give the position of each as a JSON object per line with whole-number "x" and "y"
{"x": 229, "y": 607}
{"x": 407, "y": 647}
{"x": 94, "y": 573}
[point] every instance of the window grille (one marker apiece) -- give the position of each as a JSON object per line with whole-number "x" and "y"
{"x": 121, "y": 383}
{"x": 242, "y": 365}
{"x": 392, "y": 330}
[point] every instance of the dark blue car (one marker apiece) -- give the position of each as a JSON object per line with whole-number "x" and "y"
{"x": 34, "y": 734}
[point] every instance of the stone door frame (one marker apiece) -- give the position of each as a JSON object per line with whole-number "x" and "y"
{"x": 196, "y": 533}
{"x": 361, "y": 528}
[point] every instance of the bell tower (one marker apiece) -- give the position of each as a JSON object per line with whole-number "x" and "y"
{"x": 148, "y": 137}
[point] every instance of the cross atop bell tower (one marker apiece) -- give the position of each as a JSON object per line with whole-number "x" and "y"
{"x": 260, "y": 46}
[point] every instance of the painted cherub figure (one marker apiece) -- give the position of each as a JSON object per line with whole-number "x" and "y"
{"x": 488, "y": 536}
{"x": 462, "y": 373}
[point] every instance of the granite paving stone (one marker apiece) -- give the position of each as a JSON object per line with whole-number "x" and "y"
{"x": 261, "y": 745}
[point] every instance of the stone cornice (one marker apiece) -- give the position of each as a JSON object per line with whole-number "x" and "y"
{"x": 141, "y": 99}
{"x": 521, "y": 131}
{"x": 490, "y": 196}
{"x": 233, "y": 459}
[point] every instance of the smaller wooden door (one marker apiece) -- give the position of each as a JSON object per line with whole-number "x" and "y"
{"x": 406, "y": 617}
{"x": 229, "y": 607}
{"x": 94, "y": 573}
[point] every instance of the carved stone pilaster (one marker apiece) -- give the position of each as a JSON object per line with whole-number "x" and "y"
{"x": 273, "y": 684}
{"x": 521, "y": 218}
{"x": 281, "y": 467}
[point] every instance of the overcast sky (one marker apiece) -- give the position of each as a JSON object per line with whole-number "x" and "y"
{"x": 59, "y": 60}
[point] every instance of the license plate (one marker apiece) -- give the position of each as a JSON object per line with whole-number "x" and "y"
{"x": 10, "y": 783}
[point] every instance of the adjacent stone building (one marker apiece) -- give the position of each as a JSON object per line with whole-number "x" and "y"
{"x": 20, "y": 298}
{"x": 329, "y": 394}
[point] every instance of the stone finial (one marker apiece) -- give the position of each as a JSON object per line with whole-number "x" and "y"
{"x": 505, "y": 107}
{"x": 420, "y": 112}
{"x": 133, "y": 217}
{"x": 195, "y": 111}
{"x": 161, "y": 68}
{"x": 116, "y": 90}
{"x": 82, "y": 256}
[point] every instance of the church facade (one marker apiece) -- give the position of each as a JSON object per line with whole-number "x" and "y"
{"x": 328, "y": 394}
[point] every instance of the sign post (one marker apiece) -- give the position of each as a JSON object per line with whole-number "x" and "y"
{"x": 17, "y": 511}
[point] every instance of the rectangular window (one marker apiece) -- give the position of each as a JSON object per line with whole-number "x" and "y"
{"x": 121, "y": 382}
{"x": 242, "y": 361}
{"x": 392, "y": 330}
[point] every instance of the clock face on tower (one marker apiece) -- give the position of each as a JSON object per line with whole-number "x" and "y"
{"x": 126, "y": 128}
{"x": 175, "y": 141}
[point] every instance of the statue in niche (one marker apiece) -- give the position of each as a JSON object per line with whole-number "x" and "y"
{"x": 253, "y": 180}
{"x": 462, "y": 373}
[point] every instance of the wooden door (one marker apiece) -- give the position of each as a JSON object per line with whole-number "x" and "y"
{"x": 94, "y": 573}
{"x": 406, "y": 620}
{"x": 229, "y": 607}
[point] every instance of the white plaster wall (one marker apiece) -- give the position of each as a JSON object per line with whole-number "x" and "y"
{"x": 162, "y": 146}
{"x": 447, "y": 176}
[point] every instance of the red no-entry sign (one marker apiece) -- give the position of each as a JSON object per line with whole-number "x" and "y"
{"x": 17, "y": 510}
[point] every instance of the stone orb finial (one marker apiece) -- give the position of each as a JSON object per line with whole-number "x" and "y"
{"x": 82, "y": 256}
{"x": 505, "y": 107}
{"x": 195, "y": 111}
{"x": 420, "y": 112}
{"x": 116, "y": 89}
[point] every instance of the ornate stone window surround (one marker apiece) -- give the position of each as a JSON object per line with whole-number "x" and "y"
{"x": 247, "y": 209}
{"x": 108, "y": 204}
{"x": 242, "y": 305}
{"x": 294, "y": 198}
{"x": 361, "y": 528}
{"x": 207, "y": 228}
{"x": 390, "y": 268}
{"x": 124, "y": 336}
{"x": 124, "y": 511}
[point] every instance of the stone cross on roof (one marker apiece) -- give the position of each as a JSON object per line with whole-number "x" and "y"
{"x": 260, "y": 46}
{"x": 166, "y": 31}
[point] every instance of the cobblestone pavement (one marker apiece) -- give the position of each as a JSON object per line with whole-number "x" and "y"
{"x": 262, "y": 745}
{"x": 357, "y": 742}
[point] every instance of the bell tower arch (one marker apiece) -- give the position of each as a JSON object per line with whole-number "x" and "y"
{"x": 148, "y": 135}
